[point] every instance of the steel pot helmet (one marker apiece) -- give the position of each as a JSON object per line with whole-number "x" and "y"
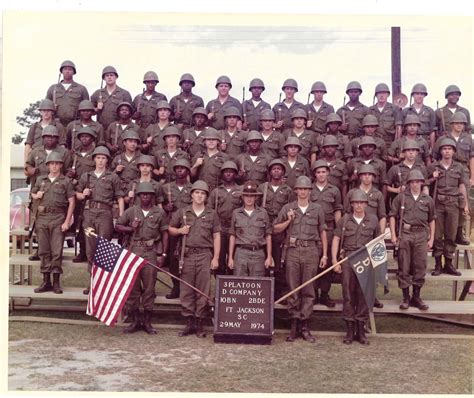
{"x": 187, "y": 77}
{"x": 333, "y": 118}
{"x": 381, "y": 88}
{"x": 412, "y": 119}
{"x": 452, "y": 88}
{"x": 130, "y": 135}
{"x": 290, "y": 83}
{"x": 410, "y": 144}
{"x": 267, "y": 114}
{"x": 254, "y": 135}
{"x": 354, "y": 85}
{"x": 318, "y": 164}
{"x": 229, "y": 164}
{"x": 182, "y": 163}
{"x": 223, "y": 79}
{"x": 47, "y": 105}
{"x": 201, "y": 185}
{"x": 86, "y": 105}
{"x": 370, "y": 120}
{"x": 146, "y": 159}
{"x": 358, "y": 196}
{"x": 200, "y": 111}
{"x": 318, "y": 86}
{"x": 415, "y": 175}
{"x": 50, "y": 130}
{"x": 299, "y": 113}
{"x": 101, "y": 150}
{"x": 303, "y": 182}
{"x": 54, "y": 157}
{"x": 256, "y": 83}
{"x": 109, "y": 69}
{"x": 145, "y": 187}
{"x": 67, "y": 63}
{"x": 150, "y": 76}
{"x": 87, "y": 130}
{"x": 171, "y": 131}
{"x": 459, "y": 117}
{"x": 232, "y": 111}
{"x": 419, "y": 88}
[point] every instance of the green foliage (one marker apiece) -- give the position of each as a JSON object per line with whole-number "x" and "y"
{"x": 30, "y": 115}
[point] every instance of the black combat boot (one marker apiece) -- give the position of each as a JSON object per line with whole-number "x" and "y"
{"x": 293, "y": 331}
{"x": 460, "y": 239}
{"x": 136, "y": 325}
{"x": 174, "y": 293}
{"x": 326, "y": 300}
{"x": 437, "y": 270}
{"x": 305, "y": 332}
{"x": 377, "y": 303}
{"x": 189, "y": 328}
{"x": 361, "y": 337}
{"x": 81, "y": 257}
{"x": 200, "y": 328}
{"x": 349, "y": 337}
{"x": 449, "y": 267}
{"x": 147, "y": 326}
{"x": 416, "y": 300}
{"x": 406, "y": 299}
{"x": 56, "y": 285}
{"x": 34, "y": 256}
{"x": 316, "y": 296}
{"x": 46, "y": 285}
{"x": 86, "y": 290}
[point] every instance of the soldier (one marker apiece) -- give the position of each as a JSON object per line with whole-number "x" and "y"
{"x": 411, "y": 125}
{"x": 232, "y": 137}
{"x": 303, "y": 221}
{"x": 275, "y": 194}
{"x": 216, "y": 108}
{"x": 146, "y": 225}
{"x": 193, "y": 136}
{"x": 86, "y": 111}
{"x": 415, "y": 211}
{"x": 55, "y": 196}
{"x": 444, "y": 114}
{"x": 113, "y": 136}
{"x": 253, "y": 163}
{"x": 337, "y": 167}
{"x": 125, "y": 164}
{"x": 153, "y": 135}
{"x": 107, "y": 99}
{"x": 184, "y": 104}
{"x": 283, "y": 110}
{"x": 295, "y": 164}
{"x": 224, "y": 199}
{"x": 207, "y": 165}
{"x": 201, "y": 227}
{"x": 425, "y": 114}
{"x": 369, "y": 127}
{"x": 352, "y": 232}
{"x": 273, "y": 140}
{"x": 307, "y": 138}
{"x": 450, "y": 198}
{"x": 250, "y": 236}
{"x": 318, "y": 110}
{"x": 329, "y": 198}
{"x": 99, "y": 188}
{"x": 253, "y": 107}
{"x": 178, "y": 195}
{"x": 387, "y": 115}
{"x": 343, "y": 149}
{"x": 67, "y": 94}
{"x": 168, "y": 156}
{"x": 353, "y": 112}
{"x": 145, "y": 104}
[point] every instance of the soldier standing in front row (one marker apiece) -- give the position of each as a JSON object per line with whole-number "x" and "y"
{"x": 306, "y": 233}
{"x": 201, "y": 227}
{"x": 146, "y": 225}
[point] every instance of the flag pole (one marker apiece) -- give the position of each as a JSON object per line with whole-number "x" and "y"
{"x": 89, "y": 232}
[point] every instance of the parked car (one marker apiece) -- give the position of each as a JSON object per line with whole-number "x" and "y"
{"x": 17, "y": 197}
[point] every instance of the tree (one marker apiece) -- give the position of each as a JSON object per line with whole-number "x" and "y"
{"x": 30, "y": 115}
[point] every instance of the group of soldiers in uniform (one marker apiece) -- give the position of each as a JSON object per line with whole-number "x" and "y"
{"x": 246, "y": 188}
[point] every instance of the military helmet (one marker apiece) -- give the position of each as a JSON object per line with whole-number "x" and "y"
{"x": 109, "y": 69}
{"x": 276, "y": 162}
{"x": 182, "y": 163}
{"x": 201, "y": 185}
{"x": 419, "y": 88}
{"x": 200, "y": 111}
{"x": 163, "y": 105}
{"x": 86, "y": 105}
{"x": 293, "y": 141}
{"x": 223, "y": 79}
{"x": 415, "y": 175}
{"x": 318, "y": 164}
{"x": 47, "y": 105}
{"x": 187, "y": 77}
{"x": 381, "y": 88}
{"x": 332, "y": 118}
{"x": 254, "y": 135}
{"x": 447, "y": 142}
{"x": 54, "y": 156}
{"x": 87, "y": 130}
{"x": 303, "y": 182}
{"x": 452, "y": 88}
{"x": 459, "y": 117}
{"x": 211, "y": 134}
{"x": 250, "y": 188}
{"x": 145, "y": 187}
{"x": 232, "y": 111}
{"x": 146, "y": 159}
{"x": 370, "y": 120}
{"x": 290, "y": 83}
{"x": 298, "y": 112}
{"x": 358, "y": 196}
{"x": 67, "y": 63}
{"x": 170, "y": 131}
{"x": 411, "y": 119}
{"x": 267, "y": 114}
{"x": 330, "y": 140}
{"x": 229, "y": 164}
{"x": 367, "y": 140}
{"x": 354, "y": 85}
{"x": 410, "y": 144}
{"x": 50, "y": 130}
{"x": 318, "y": 86}
{"x": 124, "y": 103}
{"x": 367, "y": 169}
{"x": 150, "y": 76}
{"x": 101, "y": 150}
{"x": 130, "y": 135}
{"x": 256, "y": 83}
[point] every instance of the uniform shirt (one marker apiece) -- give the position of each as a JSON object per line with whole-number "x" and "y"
{"x": 273, "y": 144}
{"x": 275, "y": 199}
{"x": 254, "y": 170}
{"x": 319, "y": 116}
{"x": 73, "y": 128}
{"x": 396, "y": 146}
{"x": 130, "y": 172}
{"x": 447, "y": 115}
{"x": 464, "y": 148}
{"x": 375, "y": 204}
{"x": 133, "y": 185}
{"x": 67, "y": 101}
{"x": 114, "y": 133}
{"x": 398, "y": 174}
{"x": 419, "y": 212}
{"x": 178, "y": 197}
{"x": 235, "y": 143}
{"x": 307, "y": 226}
{"x": 34, "y": 139}
{"x": 307, "y": 141}
{"x": 215, "y": 106}
{"x": 155, "y": 131}
{"x": 56, "y": 193}
{"x": 165, "y": 160}
{"x": 250, "y": 229}
{"x": 150, "y": 226}
{"x": 337, "y": 173}
{"x": 148, "y": 108}
{"x": 224, "y": 203}
{"x": 426, "y": 116}
{"x": 195, "y": 142}
{"x": 356, "y": 235}
{"x": 329, "y": 198}
{"x": 210, "y": 171}
{"x": 202, "y": 227}
{"x": 82, "y": 163}
{"x": 344, "y": 148}
{"x": 185, "y": 108}
{"x": 354, "y": 118}
{"x": 388, "y": 118}
{"x": 252, "y": 113}
{"x": 37, "y": 158}
{"x": 282, "y": 112}
{"x": 379, "y": 166}
{"x": 300, "y": 168}
{"x": 108, "y": 114}
{"x": 448, "y": 183}
{"x": 380, "y": 150}
{"x": 105, "y": 189}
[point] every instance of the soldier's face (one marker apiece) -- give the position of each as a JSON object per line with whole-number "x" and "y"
{"x": 289, "y": 92}
{"x": 130, "y": 145}
{"x": 47, "y": 114}
{"x": 86, "y": 114}
{"x": 256, "y": 92}
{"x": 318, "y": 95}
{"x": 50, "y": 141}
{"x": 223, "y": 89}
{"x": 228, "y": 175}
{"x": 358, "y": 207}
{"x": 187, "y": 86}
{"x": 101, "y": 161}
{"x": 110, "y": 78}
{"x": 254, "y": 145}
{"x": 333, "y": 127}
{"x": 267, "y": 124}
{"x": 418, "y": 97}
{"x": 330, "y": 150}
{"x": 302, "y": 193}
{"x": 447, "y": 152}
{"x": 198, "y": 196}
{"x": 231, "y": 121}
{"x": 415, "y": 185}
{"x": 171, "y": 140}
{"x": 457, "y": 127}
{"x": 181, "y": 172}
{"x": 353, "y": 95}
{"x": 453, "y": 98}
{"x": 164, "y": 114}
{"x": 55, "y": 167}
{"x": 410, "y": 154}
{"x": 366, "y": 178}
{"x": 370, "y": 130}
{"x": 211, "y": 143}
{"x": 321, "y": 174}
{"x": 411, "y": 128}
{"x": 200, "y": 120}
{"x": 367, "y": 150}
{"x": 145, "y": 198}
{"x": 124, "y": 112}
{"x": 68, "y": 72}
{"x": 299, "y": 122}
{"x": 86, "y": 139}
{"x": 277, "y": 172}
{"x": 382, "y": 96}
{"x": 249, "y": 200}
{"x": 292, "y": 150}
{"x": 150, "y": 85}
{"x": 145, "y": 168}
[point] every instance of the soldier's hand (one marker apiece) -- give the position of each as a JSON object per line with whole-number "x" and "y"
{"x": 199, "y": 162}
{"x": 86, "y": 192}
{"x": 309, "y": 123}
{"x": 149, "y": 140}
{"x": 436, "y": 174}
{"x": 245, "y": 126}
{"x": 214, "y": 263}
{"x": 223, "y": 146}
{"x": 184, "y": 230}
{"x": 114, "y": 148}
{"x": 291, "y": 215}
{"x": 168, "y": 207}
{"x": 344, "y": 127}
{"x": 338, "y": 269}
{"x": 39, "y": 194}
{"x": 71, "y": 173}
{"x": 241, "y": 173}
{"x": 230, "y": 263}
{"x": 323, "y": 262}
{"x": 119, "y": 168}
{"x": 64, "y": 226}
{"x": 135, "y": 223}
{"x": 466, "y": 210}
{"x": 131, "y": 194}
{"x": 239, "y": 125}
{"x": 394, "y": 240}
{"x": 278, "y": 124}
{"x": 269, "y": 262}
{"x": 430, "y": 243}
{"x": 210, "y": 115}
{"x": 161, "y": 170}
{"x": 100, "y": 105}
{"x": 186, "y": 145}
{"x": 160, "y": 261}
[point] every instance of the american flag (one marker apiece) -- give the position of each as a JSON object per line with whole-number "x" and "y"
{"x": 113, "y": 275}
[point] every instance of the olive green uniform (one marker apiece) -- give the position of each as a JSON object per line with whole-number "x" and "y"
{"x": 195, "y": 141}
{"x": 396, "y": 148}
{"x": 375, "y": 205}
{"x": 300, "y": 168}
{"x": 353, "y": 118}
{"x": 344, "y": 149}
{"x": 380, "y": 149}
{"x": 155, "y": 131}
{"x": 165, "y": 160}
{"x": 73, "y": 128}
{"x": 398, "y": 174}
{"x": 235, "y": 143}
{"x": 255, "y": 170}
{"x": 337, "y": 173}
{"x": 427, "y": 120}
{"x": 33, "y": 138}
{"x": 218, "y": 109}
{"x": 108, "y": 114}
{"x": 148, "y": 108}
{"x": 251, "y": 113}
{"x": 210, "y": 171}
{"x": 186, "y": 108}
{"x": 380, "y": 179}
{"x": 283, "y": 112}
{"x": 133, "y": 185}
{"x": 319, "y": 116}
{"x": 114, "y": 133}
{"x": 37, "y": 158}
{"x": 388, "y": 118}
{"x": 273, "y": 144}
{"x": 67, "y": 101}
{"x": 130, "y": 172}
{"x": 307, "y": 141}
{"x": 447, "y": 115}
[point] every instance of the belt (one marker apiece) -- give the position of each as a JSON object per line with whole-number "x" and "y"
{"x": 143, "y": 243}
{"x": 189, "y": 250}
{"x": 42, "y": 209}
{"x": 305, "y": 243}
{"x": 250, "y": 247}
{"x": 447, "y": 198}
{"x": 413, "y": 228}
{"x": 99, "y": 205}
